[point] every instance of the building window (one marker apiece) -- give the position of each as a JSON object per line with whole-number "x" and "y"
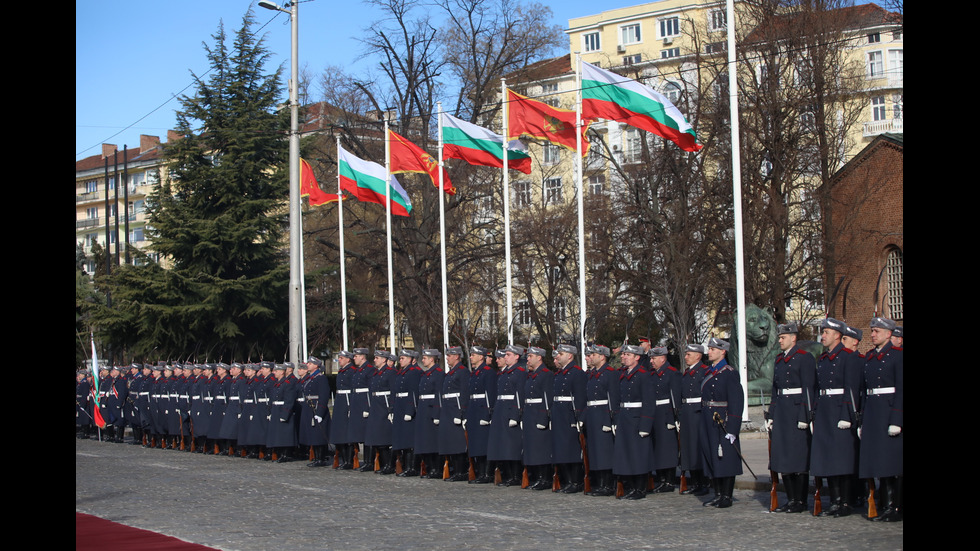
{"x": 629, "y": 34}
{"x": 597, "y": 184}
{"x": 876, "y": 65}
{"x": 896, "y": 64}
{"x": 523, "y": 313}
{"x": 897, "y": 106}
{"x": 896, "y": 35}
{"x": 491, "y": 318}
{"x": 673, "y": 92}
{"x": 878, "y": 111}
{"x": 669, "y": 53}
{"x": 591, "y": 42}
{"x": 561, "y": 310}
{"x": 715, "y": 48}
{"x": 552, "y": 154}
{"x": 670, "y": 27}
{"x": 874, "y": 38}
{"x": 895, "y": 270}
{"x": 522, "y": 193}
{"x": 138, "y": 179}
{"x": 92, "y": 213}
{"x": 91, "y": 186}
{"x": 633, "y": 145}
{"x": 136, "y": 235}
{"x": 631, "y": 59}
{"x": 552, "y": 191}
{"x": 717, "y": 20}
{"x": 549, "y": 88}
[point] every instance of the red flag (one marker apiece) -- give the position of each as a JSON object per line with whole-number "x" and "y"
{"x": 308, "y": 186}
{"x": 540, "y": 120}
{"x": 96, "y": 410}
{"x": 408, "y": 157}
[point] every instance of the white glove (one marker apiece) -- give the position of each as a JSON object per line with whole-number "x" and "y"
{"x": 484, "y": 422}
{"x": 670, "y": 426}
{"x": 464, "y": 424}
{"x": 768, "y": 424}
{"x": 268, "y": 417}
{"x": 614, "y": 430}
{"x": 730, "y": 437}
{"x": 239, "y": 415}
{"x": 365, "y": 414}
{"x": 859, "y": 433}
{"x": 408, "y": 417}
{"x": 678, "y": 425}
{"x": 391, "y": 417}
{"x": 540, "y": 426}
{"x": 606, "y": 428}
{"x": 578, "y": 426}
{"x": 843, "y": 425}
{"x": 457, "y": 421}
{"x": 512, "y": 423}
{"x": 318, "y": 418}
{"x": 894, "y": 430}
{"x": 644, "y": 434}
{"x": 435, "y": 421}
{"x": 801, "y": 425}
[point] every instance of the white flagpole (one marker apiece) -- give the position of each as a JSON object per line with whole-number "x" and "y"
{"x": 581, "y": 215}
{"x": 302, "y": 292}
{"x": 340, "y": 229}
{"x": 391, "y": 285}
{"x": 743, "y": 367}
{"x": 507, "y": 276}
{"x": 442, "y": 240}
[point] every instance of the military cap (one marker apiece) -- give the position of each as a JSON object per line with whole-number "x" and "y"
{"x": 714, "y": 342}
{"x": 432, "y": 352}
{"x": 899, "y": 331}
{"x": 515, "y": 348}
{"x": 632, "y": 349}
{"x": 567, "y": 348}
{"x": 499, "y": 353}
{"x": 536, "y": 351}
{"x": 600, "y": 350}
{"x": 658, "y": 351}
{"x": 267, "y": 365}
{"x": 883, "y": 323}
{"x": 853, "y": 332}
{"x": 279, "y": 367}
{"x": 787, "y": 328}
{"x": 345, "y": 354}
{"x": 696, "y": 348}
{"x": 454, "y": 350}
{"x": 361, "y": 351}
{"x": 479, "y": 350}
{"x": 835, "y": 324}
{"x": 315, "y": 361}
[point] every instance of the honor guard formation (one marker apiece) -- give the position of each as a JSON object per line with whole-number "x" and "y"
{"x": 512, "y": 420}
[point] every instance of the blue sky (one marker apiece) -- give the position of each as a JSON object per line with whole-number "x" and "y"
{"x": 132, "y": 57}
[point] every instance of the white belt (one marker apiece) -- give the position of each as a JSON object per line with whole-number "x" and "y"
{"x": 263, "y": 400}
{"x": 533, "y": 401}
{"x": 155, "y": 396}
{"x": 220, "y": 397}
{"x": 882, "y": 390}
{"x": 183, "y": 396}
{"x": 235, "y": 398}
{"x": 477, "y": 396}
{"x": 427, "y": 397}
{"x": 632, "y": 404}
{"x": 663, "y": 402}
{"x": 505, "y": 397}
{"x": 310, "y": 398}
{"x": 174, "y": 395}
{"x": 300, "y": 399}
{"x": 359, "y": 390}
{"x": 279, "y": 403}
{"x": 383, "y": 393}
{"x": 597, "y": 403}
{"x": 831, "y": 391}
{"x": 563, "y": 398}
{"x": 344, "y": 391}
{"x": 401, "y": 395}
{"x": 144, "y": 393}
{"x": 208, "y": 399}
{"x": 788, "y": 391}
{"x": 198, "y": 397}
{"x": 692, "y": 400}
{"x": 249, "y": 401}
{"x": 451, "y": 395}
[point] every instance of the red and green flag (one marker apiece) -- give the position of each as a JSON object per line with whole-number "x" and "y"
{"x": 478, "y": 146}
{"x": 367, "y": 182}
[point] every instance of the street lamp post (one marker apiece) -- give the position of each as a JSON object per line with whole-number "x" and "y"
{"x": 295, "y": 216}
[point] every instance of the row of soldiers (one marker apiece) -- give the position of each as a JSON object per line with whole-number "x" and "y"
{"x": 261, "y": 410}
{"x": 839, "y": 418}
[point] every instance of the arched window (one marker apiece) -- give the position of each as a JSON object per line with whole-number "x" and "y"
{"x": 895, "y": 272}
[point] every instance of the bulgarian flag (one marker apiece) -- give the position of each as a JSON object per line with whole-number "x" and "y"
{"x": 96, "y": 410}
{"x": 609, "y": 96}
{"x": 540, "y": 120}
{"x": 366, "y": 181}
{"x": 478, "y": 146}
{"x": 308, "y": 186}
{"x": 404, "y": 156}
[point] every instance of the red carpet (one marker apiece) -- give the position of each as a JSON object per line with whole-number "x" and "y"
{"x": 99, "y": 534}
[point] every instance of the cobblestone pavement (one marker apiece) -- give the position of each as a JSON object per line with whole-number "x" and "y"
{"x": 241, "y": 504}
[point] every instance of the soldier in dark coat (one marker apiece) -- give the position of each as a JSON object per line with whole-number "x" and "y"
{"x": 200, "y": 396}
{"x": 567, "y": 415}
{"x": 722, "y": 404}
{"x": 833, "y": 453}
{"x": 281, "y": 433}
{"x": 634, "y": 424}
{"x": 790, "y": 413}
{"x": 452, "y": 431}
{"x": 536, "y": 421}
{"x": 602, "y": 401}
{"x": 344, "y": 447}
{"x": 427, "y": 414}
{"x": 406, "y": 391}
{"x": 482, "y": 390}
{"x": 689, "y": 419}
{"x": 667, "y": 389}
{"x": 314, "y": 421}
{"x": 116, "y": 394}
{"x": 228, "y": 433}
{"x": 377, "y": 435}
{"x": 83, "y": 413}
{"x": 882, "y": 437}
{"x": 504, "y": 446}
{"x": 360, "y": 405}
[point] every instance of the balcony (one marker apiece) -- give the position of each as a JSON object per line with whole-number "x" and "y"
{"x": 875, "y": 128}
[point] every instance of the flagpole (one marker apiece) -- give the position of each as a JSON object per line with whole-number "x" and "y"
{"x": 737, "y": 208}
{"x": 506, "y": 178}
{"x": 340, "y": 231}
{"x": 302, "y": 294}
{"x": 391, "y": 284}
{"x": 581, "y": 202}
{"x": 442, "y": 238}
